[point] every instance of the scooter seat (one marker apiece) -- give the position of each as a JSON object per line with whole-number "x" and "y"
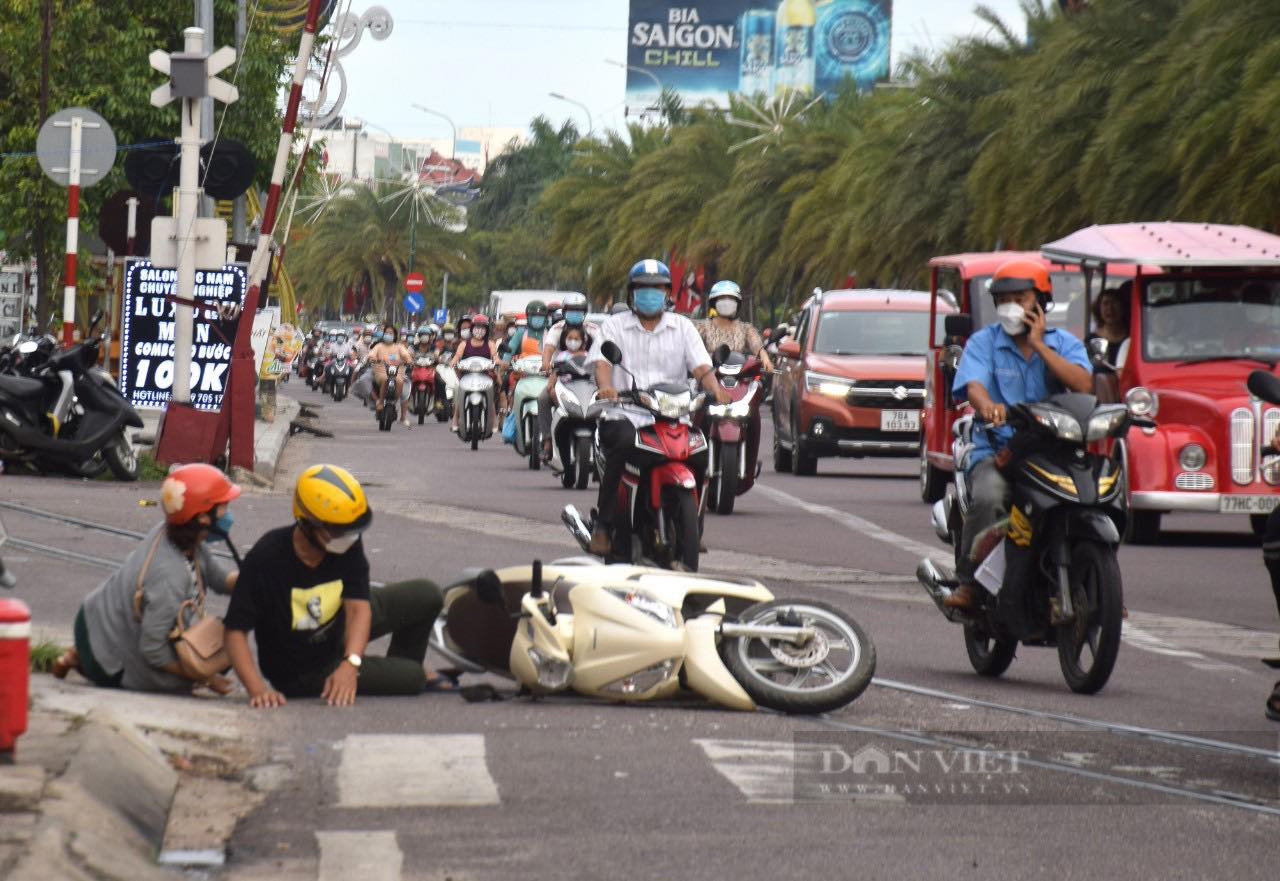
{"x": 21, "y": 388}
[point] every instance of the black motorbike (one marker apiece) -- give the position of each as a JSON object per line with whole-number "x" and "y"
{"x": 1050, "y": 577}
{"x": 66, "y": 414}
{"x": 387, "y": 415}
{"x": 338, "y": 377}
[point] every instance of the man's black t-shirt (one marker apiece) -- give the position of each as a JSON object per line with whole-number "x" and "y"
{"x": 295, "y": 610}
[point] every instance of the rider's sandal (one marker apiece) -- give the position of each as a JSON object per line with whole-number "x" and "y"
{"x": 1273, "y": 704}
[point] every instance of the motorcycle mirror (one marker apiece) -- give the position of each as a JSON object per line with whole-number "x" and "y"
{"x": 536, "y": 587}
{"x": 720, "y": 355}
{"x": 611, "y": 352}
{"x": 488, "y": 587}
{"x": 1265, "y": 385}
{"x": 958, "y": 325}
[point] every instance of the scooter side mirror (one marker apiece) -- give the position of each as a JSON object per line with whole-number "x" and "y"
{"x": 1265, "y": 385}
{"x": 958, "y": 325}
{"x": 611, "y": 352}
{"x": 720, "y": 355}
{"x": 488, "y": 587}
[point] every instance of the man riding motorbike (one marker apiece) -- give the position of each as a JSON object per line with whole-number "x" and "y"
{"x": 657, "y": 347}
{"x": 575, "y": 316}
{"x": 1018, "y": 360}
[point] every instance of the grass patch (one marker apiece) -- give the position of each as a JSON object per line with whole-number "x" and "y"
{"x": 43, "y": 654}
{"x": 149, "y": 468}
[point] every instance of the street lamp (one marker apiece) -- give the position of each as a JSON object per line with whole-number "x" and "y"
{"x": 353, "y": 124}
{"x": 453, "y": 146}
{"x": 650, "y": 74}
{"x": 591, "y": 126}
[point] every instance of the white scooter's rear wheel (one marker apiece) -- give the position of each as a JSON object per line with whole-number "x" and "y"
{"x": 824, "y": 675}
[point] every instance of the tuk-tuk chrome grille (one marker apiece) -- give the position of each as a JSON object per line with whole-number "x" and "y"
{"x": 1270, "y": 464}
{"x": 1197, "y": 480}
{"x": 1242, "y": 431}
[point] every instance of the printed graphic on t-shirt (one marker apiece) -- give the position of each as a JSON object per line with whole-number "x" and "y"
{"x": 314, "y": 607}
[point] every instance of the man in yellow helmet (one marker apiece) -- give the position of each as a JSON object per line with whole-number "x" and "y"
{"x": 304, "y": 593}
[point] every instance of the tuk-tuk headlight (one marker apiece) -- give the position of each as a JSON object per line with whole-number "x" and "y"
{"x": 1142, "y": 402}
{"x": 1192, "y": 457}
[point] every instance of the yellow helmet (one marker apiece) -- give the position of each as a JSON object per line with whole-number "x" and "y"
{"x": 328, "y": 496}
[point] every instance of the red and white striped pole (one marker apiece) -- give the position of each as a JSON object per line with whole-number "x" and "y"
{"x": 73, "y": 234}
{"x": 241, "y": 410}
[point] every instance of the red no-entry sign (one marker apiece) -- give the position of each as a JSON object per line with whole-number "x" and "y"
{"x": 414, "y": 282}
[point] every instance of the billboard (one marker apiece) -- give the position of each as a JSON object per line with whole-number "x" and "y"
{"x": 708, "y": 49}
{"x": 12, "y": 296}
{"x": 147, "y": 332}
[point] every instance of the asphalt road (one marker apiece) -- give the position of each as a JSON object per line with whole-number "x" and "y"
{"x": 432, "y": 787}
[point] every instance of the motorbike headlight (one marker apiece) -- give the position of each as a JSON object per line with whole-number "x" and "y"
{"x": 718, "y": 410}
{"x": 673, "y": 406}
{"x": 642, "y": 681}
{"x": 740, "y": 409}
{"x": 656, "y": 610}
{"x": 1142, "y": 402}
{"x": 1060, "y": 422}
{"x": 1192, "y": 457}
{"x": 553, "y": 673}
{"x": 834, "y": 386}
{"x": 1105, "y": 422}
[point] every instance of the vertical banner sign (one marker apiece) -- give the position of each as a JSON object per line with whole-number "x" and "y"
{"x": 12, "y": 295}
{"x": 707, "y": 50}
{"x": 146, "y": 337}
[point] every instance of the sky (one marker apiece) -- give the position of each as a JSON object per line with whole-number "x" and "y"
{"x": 493, "y": 62}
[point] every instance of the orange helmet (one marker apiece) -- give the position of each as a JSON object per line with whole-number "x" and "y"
{"x": 194, "y": 489}
{"x": 1022, "y": 274}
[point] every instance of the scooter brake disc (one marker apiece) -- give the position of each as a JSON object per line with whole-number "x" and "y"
{"x": 810, "y": 654}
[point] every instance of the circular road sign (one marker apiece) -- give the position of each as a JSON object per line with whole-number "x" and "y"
{"x": 414, "y": 282}
{"x": 97, "y": 146}
{"x": 413, "y": 303}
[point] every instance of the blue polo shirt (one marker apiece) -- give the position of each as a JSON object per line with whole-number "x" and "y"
{"x": 992, "y": 358}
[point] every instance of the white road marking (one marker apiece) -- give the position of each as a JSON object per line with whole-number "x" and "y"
{"x": 368, "y": 856}
{"x": 414, "y": 770}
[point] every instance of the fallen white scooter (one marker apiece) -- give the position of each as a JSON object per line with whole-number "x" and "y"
{"x": 629, "y": 633}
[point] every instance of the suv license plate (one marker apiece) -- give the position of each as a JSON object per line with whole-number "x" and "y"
{"x": 899, "y": 420}
{"x": 1248, "y": 504}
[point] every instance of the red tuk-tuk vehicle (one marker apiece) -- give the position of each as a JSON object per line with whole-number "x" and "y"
{"x": 961, "y": 281}
{"x": 1205, "y": 313}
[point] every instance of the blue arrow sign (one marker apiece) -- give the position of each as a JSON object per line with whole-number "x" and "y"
{"x": 413, "y": 303}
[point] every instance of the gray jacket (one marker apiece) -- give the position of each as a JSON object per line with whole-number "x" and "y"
{"x": 142, "y": 648}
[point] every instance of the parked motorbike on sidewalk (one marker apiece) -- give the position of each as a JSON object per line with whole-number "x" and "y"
{"x": 626, "y": 633}
{"x": 475, "y": 399}
{"x": 67, "y": 414}
{"x": 423, "y": 376}
{"x": 733, "y": 433}
{"x": 1050, "y": 577}
{"x": 573, "y": 426}
{"x": 530, "y": 381}
{"x": 657, "y": 519}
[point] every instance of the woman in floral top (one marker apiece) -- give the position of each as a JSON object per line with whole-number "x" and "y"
{"x": 726, "y": 329}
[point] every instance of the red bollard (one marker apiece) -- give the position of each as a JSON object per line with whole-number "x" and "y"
{"x": 15, "y": 667}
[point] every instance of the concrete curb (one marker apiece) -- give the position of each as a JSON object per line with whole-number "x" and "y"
{"x": 269, "y": 442}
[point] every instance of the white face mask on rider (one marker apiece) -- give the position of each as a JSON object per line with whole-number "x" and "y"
{"x": 342, "y": 543}
{"x": 726, "y": 307}
{"x": 1012, "y": 318}
{"x": 573, "y": 345}
{"x": 465, "y": 333}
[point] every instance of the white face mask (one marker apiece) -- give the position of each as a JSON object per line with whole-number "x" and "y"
{"x": 342, "y": 544}
{"x": 465, "y": 333}
{"x": 727, "y": 308}
{"x": 1012, "y": 318}
{"x": 573, "y": 345}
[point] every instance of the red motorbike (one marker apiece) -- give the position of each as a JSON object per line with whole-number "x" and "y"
{"x": 657, "y": 519}
{"x": 733, "y": 431}
{"x": 423, "y": 377}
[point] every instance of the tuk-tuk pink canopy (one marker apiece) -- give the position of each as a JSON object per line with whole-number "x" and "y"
{"x": 1168, "y": 245}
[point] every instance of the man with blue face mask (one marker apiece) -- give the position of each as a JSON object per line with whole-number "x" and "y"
{"x": 657, "y": 347}
{"x": 574, "y": 309}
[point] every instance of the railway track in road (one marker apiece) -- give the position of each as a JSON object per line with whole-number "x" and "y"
{"x": 1271, "y": 757}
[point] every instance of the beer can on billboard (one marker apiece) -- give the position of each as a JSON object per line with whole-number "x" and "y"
{"x": 793, "y": 68}
{"x": 755, "y": 70}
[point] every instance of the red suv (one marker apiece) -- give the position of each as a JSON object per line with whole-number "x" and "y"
{"x": 850, "y": 382}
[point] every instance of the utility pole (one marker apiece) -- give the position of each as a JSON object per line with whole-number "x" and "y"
{"x": 239, "y": 208}
{"x": 204, "y": 21}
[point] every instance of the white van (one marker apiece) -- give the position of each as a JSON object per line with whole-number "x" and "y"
{"x": 506, "y": 302}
